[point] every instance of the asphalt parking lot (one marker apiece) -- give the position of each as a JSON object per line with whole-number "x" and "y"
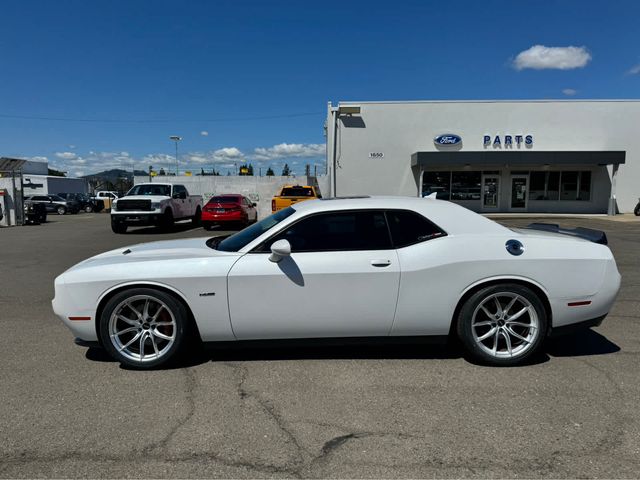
{"x": 372, "y": 411}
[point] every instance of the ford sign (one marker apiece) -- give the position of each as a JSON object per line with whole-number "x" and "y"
{"x": 447, "y": 139}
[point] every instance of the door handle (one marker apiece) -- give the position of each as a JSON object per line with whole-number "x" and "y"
{"x": 380, "y": 263}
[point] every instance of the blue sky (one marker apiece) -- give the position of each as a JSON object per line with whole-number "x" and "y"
{"x": 103, "y": 84}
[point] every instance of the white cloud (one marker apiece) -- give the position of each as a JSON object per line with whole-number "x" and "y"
{"x": 78, "y": 163}
{"x": 66, "y": 155}
{"x": 569, "y": 92}
{"x": 228, "y": 153}
{"x": 288, "y": 150}
{"x": 204, "y": 133}
{"x": 635, "y": 70}
{"x": 540, "y": 57}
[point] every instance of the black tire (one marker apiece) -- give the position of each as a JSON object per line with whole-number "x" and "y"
{"x": 88, "y": 209}
{"x": 195, "y": 220}
{"x": 167, "y": 220}
{"x": 42, "y": 218}
{"x": 173, "y": 315}
{"x": 532, "y": 337}
{"x": 61, "y": 210}
{"x": 118, "y": 227}
{"x": 636, "y": 211}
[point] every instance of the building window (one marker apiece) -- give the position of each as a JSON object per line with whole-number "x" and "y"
{"x": 465, "y": 185}
{"x": 567, "y": 185}
{"x": 584, "y": 188}
{"x": 438, "y": 182}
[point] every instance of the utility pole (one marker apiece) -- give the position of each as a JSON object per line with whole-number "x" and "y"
{"x": 176, "y": 139}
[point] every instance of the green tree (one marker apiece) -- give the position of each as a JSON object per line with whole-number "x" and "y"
{"x": 162, "y": 172}
{"x": 55, "y": 173}
{"x": 286, "y": 171}
{"x": 269, "y": 172}
{"x": 250, "y": 170}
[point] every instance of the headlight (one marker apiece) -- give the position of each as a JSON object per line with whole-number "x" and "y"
{"x": 155, "y": 205}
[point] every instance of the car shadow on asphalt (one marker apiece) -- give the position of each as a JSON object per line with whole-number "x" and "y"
{"x": 580, "y": 344}
{"x": 587, "y": 343}
{"x": 177, "y": 228}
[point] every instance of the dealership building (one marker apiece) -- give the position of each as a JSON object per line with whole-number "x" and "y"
{"x": 490, "y": 156}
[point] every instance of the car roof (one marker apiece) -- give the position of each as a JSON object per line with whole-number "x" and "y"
{"x": 453, "y": 218}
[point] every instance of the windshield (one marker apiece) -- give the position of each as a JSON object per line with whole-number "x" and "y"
{"x": 238, "y": 240}
{"x": 56, "y": 198}
{"x": 162, "y": 190}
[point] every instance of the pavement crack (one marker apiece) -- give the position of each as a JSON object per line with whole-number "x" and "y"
{"x": 280, "y": 422}
{"x": 190, "y": 387}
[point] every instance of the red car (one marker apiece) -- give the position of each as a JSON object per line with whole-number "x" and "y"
{"x": 229, "y": 208}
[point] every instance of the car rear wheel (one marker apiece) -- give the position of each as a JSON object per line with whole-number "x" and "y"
{"x": 195, "y": 220}
{"x": 88, "y": 208}
{"x": 61, "y": 210}
{"x": 144, "y": 328}
{"x": 502, "y": 324}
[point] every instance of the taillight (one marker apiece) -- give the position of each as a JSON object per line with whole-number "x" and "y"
{"x": 273, "y": 204}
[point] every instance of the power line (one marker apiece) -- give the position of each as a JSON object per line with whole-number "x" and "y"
{"x": 119, "y": 120}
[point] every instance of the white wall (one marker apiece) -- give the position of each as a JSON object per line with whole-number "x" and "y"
{"x": 399, "y": 129}
{"x": 259, "y": 189}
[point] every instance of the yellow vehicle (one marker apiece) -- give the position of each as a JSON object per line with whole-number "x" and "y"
{"x": 291, "y": 194}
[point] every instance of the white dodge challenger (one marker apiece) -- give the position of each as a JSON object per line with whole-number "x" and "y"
{"x": 345, "y": 268}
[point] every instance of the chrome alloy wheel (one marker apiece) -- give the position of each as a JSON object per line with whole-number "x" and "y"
{"x": 505, "y": 325}
{"x": 142, "y": 328}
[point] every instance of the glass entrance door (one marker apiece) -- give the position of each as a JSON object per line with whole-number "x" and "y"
{"x": 519, "y": 192}
{"x": 490, "y": 193}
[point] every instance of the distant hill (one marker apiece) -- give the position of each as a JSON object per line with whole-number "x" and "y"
{"x": 115, "y": 175}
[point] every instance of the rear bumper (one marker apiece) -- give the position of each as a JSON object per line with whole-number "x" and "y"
{"x": 576, "y": 327}
{"x": 223, "y": 217}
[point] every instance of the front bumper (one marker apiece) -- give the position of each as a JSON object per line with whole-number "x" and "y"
{"x": 133, "y": 219}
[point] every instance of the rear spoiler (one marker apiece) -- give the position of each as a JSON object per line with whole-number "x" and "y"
{"x": 596, "y": 236}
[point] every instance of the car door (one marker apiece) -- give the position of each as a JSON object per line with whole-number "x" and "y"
{"x": 180, "y": 203}
{"x": 341, "y": 280}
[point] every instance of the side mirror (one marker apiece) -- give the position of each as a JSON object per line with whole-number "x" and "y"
{"x": 280, "y": 250}
{"x": 254, "y": 204}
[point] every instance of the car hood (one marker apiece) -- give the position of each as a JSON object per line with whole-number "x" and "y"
{"x": 183, "y": 249}
{"x": 153, "y": 198}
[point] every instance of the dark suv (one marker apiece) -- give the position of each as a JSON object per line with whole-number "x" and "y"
{"x": 85, "y": 202}
{"x": 54, "y": 203}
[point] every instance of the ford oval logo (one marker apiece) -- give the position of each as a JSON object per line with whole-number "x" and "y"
{"x": 447, "y": 139}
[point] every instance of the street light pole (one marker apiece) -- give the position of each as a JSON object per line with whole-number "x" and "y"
{"x": 176, "y": 139}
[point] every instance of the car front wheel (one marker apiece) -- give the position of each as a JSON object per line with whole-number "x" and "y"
{"x": 502, "y": 324}
{"x": 61, "y": 210}
{"x": 144, "y": 328}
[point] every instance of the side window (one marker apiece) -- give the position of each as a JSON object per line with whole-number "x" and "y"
{"x": 336, "y": 231}
{"x": 408, "y": 228}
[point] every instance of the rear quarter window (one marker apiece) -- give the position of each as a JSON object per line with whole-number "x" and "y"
{"x": 408, "y": 228}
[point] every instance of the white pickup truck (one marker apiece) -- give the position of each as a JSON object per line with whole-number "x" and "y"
{"x": 158, "y": 204}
